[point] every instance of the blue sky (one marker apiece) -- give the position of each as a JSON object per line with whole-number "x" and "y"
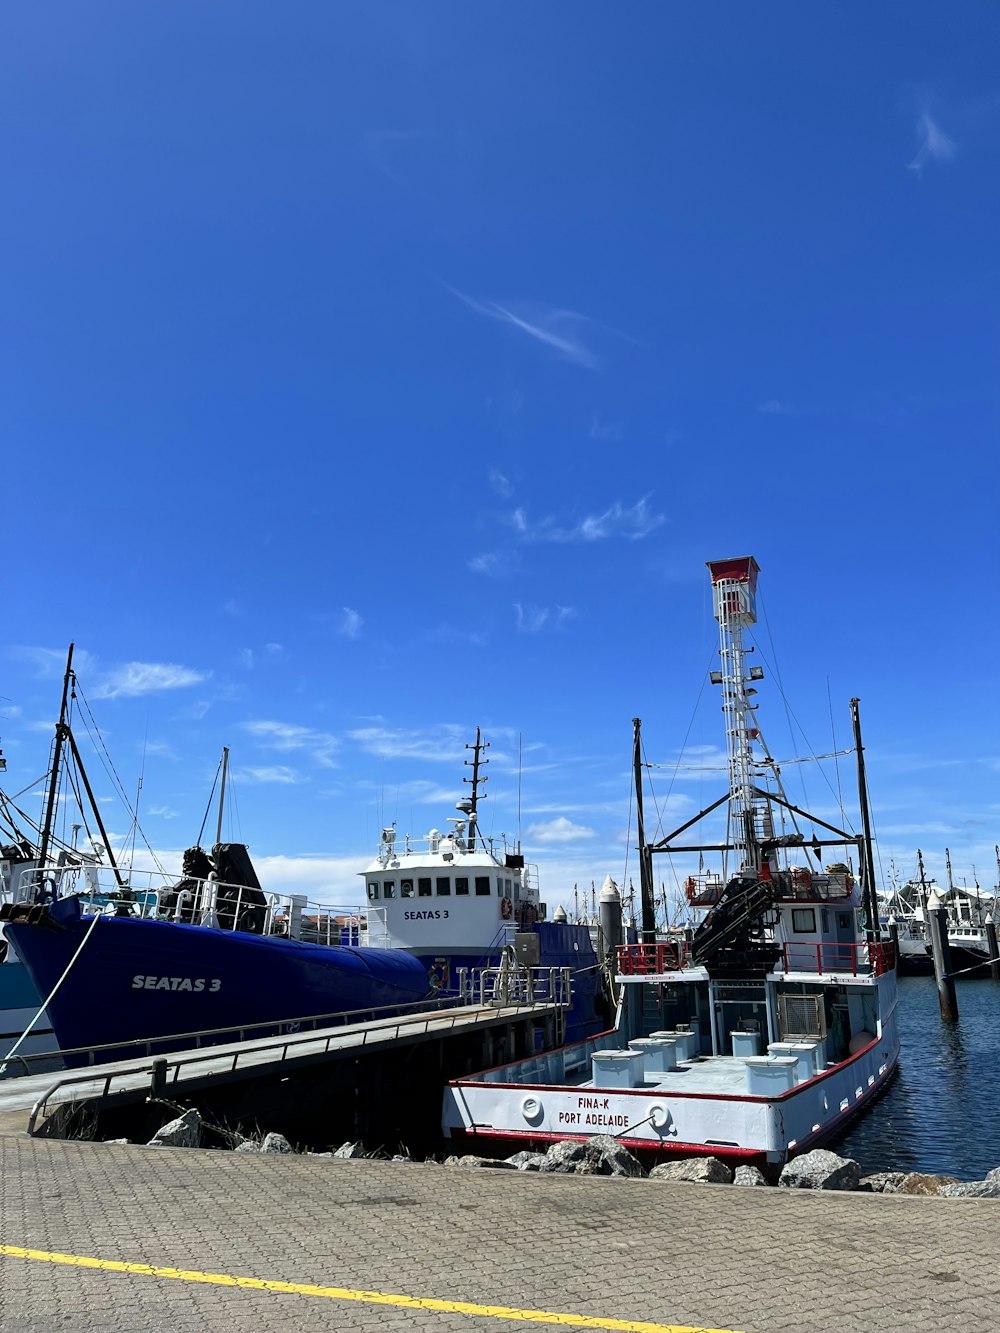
{"x": 373, "y": 371}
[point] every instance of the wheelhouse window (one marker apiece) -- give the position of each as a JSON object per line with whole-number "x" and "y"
{"x": 423, "y": 888}
{"x": 443, "y": 885}
{"x": 462, "y": 884}
{"x": 373, "y": 889}
{"x": 389, "y": 889}
{"x": 804, "y": 920}
{"x": 482, "y": 886}
{"x": 406, "y": 888}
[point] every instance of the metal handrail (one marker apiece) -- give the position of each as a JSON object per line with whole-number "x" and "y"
{"x": 146, "y": 886}
{"x": 636, "y": 960}
{"x": 343, "y": 1017}
{"x": 159, "y": 1066}
{"x": 835, "y": 957}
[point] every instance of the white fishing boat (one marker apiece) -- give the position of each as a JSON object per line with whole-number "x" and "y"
{"x": 767, "y": 1033}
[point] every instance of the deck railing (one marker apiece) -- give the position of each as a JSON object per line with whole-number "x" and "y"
{"x": 192, "y": 900}
{"x": 851, "y": 959}
{"x": 638, "y": 960}
{"x": 501, "y": 986}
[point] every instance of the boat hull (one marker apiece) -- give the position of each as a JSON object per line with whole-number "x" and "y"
{"x": 130, "y": 980}
{"x": 19, "y": 1006}
{"x": 758, "y": 1130}
{"x": 701, "y": 1107}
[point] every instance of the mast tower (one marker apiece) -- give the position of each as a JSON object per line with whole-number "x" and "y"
{"x": 734, "y": 599}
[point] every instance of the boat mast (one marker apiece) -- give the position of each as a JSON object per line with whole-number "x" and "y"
{"x": 867, "y": 859}
{"x": 64, "y": 736}
{"x": 947, "y": 866}
{"x": 645, "y": 856}
{"x": 734, "y": 596}
{"x": 222, "y": 793}
{"x": 471, "y": 805}
{"x": 62, "y": 731}
{"x": 923, "y": 882}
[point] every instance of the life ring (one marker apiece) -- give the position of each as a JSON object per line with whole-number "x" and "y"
{"x": 506, "y": 908}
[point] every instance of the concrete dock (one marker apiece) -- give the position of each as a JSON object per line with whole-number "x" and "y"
{"x": 97, "y": 1236}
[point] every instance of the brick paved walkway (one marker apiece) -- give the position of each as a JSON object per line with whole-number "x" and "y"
{"x": 633, "y": 1250}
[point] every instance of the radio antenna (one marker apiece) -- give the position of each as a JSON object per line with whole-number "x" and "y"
{"x": 519, "y": 791}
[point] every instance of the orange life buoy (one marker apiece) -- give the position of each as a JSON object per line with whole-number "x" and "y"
{"x": 506, "y": 908}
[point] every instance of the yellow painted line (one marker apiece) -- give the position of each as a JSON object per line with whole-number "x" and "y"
{"x": 562, "y": 1320}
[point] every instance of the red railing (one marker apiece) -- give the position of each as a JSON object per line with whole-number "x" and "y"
{"x": 856, "y": 959}
{"x": 804, "y": 886}
{"x": 639, "y": 960}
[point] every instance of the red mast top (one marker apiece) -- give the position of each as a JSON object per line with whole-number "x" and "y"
{"x": 740, "y": 569}
{"x": 734, "y": 590}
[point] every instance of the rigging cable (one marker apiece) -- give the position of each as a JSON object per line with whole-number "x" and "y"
{"x": 208, "y": 806}
{"x": 628, "y": 830}
{"x": 790, "y": 711}
{"x": 781, "y": 763}
{"x": 833, "y": 737}
{"x": 109, "y": 768}
{"x": 789, "y": 715}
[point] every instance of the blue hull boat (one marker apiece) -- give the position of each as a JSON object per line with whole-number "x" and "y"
{"x": 127, "y": 979}
{"x": 205, "y": 959}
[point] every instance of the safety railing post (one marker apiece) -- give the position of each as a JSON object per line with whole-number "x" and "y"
{"x": 158, "y": 1078}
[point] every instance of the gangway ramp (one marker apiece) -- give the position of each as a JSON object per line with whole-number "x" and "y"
{"x": 26, "y": 1103}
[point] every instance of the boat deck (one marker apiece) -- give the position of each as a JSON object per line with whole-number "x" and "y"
{"x": 718, "y": 1075}
{"x": 724, "y": 1074}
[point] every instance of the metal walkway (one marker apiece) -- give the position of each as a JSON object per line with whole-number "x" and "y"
{"x": 27, "y": 1100}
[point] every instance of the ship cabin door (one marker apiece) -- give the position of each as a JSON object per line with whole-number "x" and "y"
{"x": 740, "y": 1007}
{"x": 845, "y": 934}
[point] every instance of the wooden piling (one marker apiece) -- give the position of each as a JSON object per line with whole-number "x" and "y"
{"x": 937, "y": 933}
{"x": 991, "y": 941}
{"x": 894, "y": 936}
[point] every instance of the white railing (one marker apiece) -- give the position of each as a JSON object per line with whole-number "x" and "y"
{"x": 205, "y": 902}
{"x": 504, "y": 985}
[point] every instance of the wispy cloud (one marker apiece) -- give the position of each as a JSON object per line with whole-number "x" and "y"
{"x": 442, "y": 743}
{"x": 278, "y": 773}
{"x": 285, "y": 737}
{"x": 557, "y": 831}
{"x": 494, "y": 564}
{"x": 421, "y": 793}
{"x": 633, "y": 522}
{"x": 390, "y": 150}
{"x": 500, "y": 483}
{"x": 162, "y": 749}
{"x": 49, "y": 663}
{"x": 609, "y": 431}
{"x": 446, "y": 632}
{"x": 562, "y": 331}
{"x": 246, "y": 659}
{"x": 775, "y": 408}
{"x": 162, "y": 812}
{"x": 351, "y": 623}
{"x": 138, "y": 678}
{"x": 531, "y": 619}
{"x": 934, "y": 145}
{"x": 196, "y": 711}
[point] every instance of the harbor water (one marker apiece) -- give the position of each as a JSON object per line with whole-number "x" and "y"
{"x": 939, "y": 1115}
